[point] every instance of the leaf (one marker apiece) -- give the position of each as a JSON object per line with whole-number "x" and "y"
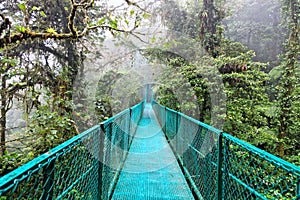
{"x": 101, "y": 21}
{"x": 12, "y": 62}
{"x": 153, "y": 39}
{"x": 114, "y": 24}
{"x": 22, "y": 6}
{"x": 136, "y": 23}
{"x": 127, "y": 22}
{"x": 30, "y": 154}
{"x": 20, "y": 29}
{"x": 34, "y": 8}
{"x": 146, "y": 15}
{"x": 131, "y": 12}
{"x": 42, "y": 13}
{"x": 51, "y": 30}
{"x": 166, "y": 45}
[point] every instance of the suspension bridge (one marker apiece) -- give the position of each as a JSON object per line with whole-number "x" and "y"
{"x": 152, "y": 152}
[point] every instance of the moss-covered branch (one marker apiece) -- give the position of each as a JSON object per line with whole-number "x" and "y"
{"x": 73, "y": 30}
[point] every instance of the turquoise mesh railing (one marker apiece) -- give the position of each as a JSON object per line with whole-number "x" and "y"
{"x": 116, "y": 145}
{"x": 85, "y": 167}
{"x": 220, "y": 166}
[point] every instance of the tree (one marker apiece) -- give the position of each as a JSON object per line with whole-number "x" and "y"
{"x": 81, "y": 20}
{"x": 43, "y": 45}
{"x": 179, "y": 19}
{"x": 286, "y": 97}
{"x": 104, "y": 104}
{"x": 256, "y": 112}
{"x": 210, "y": 32}
{"x": 200, "y": 20}
{"x": 246, "y": 98}
{"x": 256, "y": 24}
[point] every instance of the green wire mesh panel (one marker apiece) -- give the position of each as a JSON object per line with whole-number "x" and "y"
{"x": 219, "y": 166}
{"x": 119, "y": 131}
{"x": 250, "y": 173}
{"x": 84, "y": 167}
{"x": 199, "y": 156}
{"x": 116, "y": 130}
{"x": 195, "y": 145}
{"x": 68, "y": 171}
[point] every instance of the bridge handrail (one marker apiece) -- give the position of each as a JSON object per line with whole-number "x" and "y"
{"x": 211, "y": 128}
{"x": 62, "y": 171}
{"x": 20, "y": 173}
{"x": 269, "y": 157}
{"x": 220, "y": 166}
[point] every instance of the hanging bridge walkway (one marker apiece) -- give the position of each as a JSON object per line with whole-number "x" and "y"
{"x": 152, "y": 152}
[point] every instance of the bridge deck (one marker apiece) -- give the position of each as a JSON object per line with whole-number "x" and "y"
{"x": 151, "y": 170}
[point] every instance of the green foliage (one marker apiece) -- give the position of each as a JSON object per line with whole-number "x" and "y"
{"x": 252, "y": 111}
{"x": 249, "y": 113}
{"x": 178, "y": 86}
{"x": 77, "y": 195}
{"x": 106, "y": 84}
{"x": 22, "y": 6}
{"x": 50, "y": 124}
{"x": 12, "y": 160}
{"x": 175, "y": 91}
{"x": 156, "y": 55}
{"x": 8, "y": 62}
{"x": 115, "y": 92}
{"x": 246, "y": 97}
{"x": 288, "y": 114}
{"x": 50, "y": 30}
{"x": 103, "y": 108}
{"x": 180, "y": 20}
{"x": 40, "y": 74}
{"x": 211, "y": 30}
{"x": 114, "y": 24}
{"x": 287, "y": 117}
{"x": 232, "y": 49}
{"x": 199, "y": 21}
{"x": 20, "y": 29}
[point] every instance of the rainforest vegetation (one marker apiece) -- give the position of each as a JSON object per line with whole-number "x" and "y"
{"x": 232, "y": 64}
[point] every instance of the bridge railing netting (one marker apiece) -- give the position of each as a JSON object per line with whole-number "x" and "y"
{"x": 84, "y": 167}
{"x": 220, "y": 166}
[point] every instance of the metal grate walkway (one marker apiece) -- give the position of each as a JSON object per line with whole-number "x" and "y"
{"x": 151, "y": 170}
{"x": 128, "y": 157}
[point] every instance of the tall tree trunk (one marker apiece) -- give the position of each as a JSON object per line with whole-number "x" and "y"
{"x": 210, "y": 18}
{"x": 3, "y": 111}
{"x": 288, "y": 79}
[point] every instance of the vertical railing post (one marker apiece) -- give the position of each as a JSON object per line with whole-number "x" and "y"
{"x": 298, "y": 189}
{"x": 49, "y": 181}
{"x": 101, "y": 159}
{"x": 177, "y": 123}
{"x": 130, "y": 135}
{"x": 220, "y": 170}
{"x": 165, "y": 128}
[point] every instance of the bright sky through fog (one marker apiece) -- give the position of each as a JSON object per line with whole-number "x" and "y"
{"x": 115, "y": 2}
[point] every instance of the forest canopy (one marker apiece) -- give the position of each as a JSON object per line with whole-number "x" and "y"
{"x": 236, "y": 63}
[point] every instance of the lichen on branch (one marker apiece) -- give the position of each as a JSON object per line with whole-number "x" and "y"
{"x": 79, "y": 11}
